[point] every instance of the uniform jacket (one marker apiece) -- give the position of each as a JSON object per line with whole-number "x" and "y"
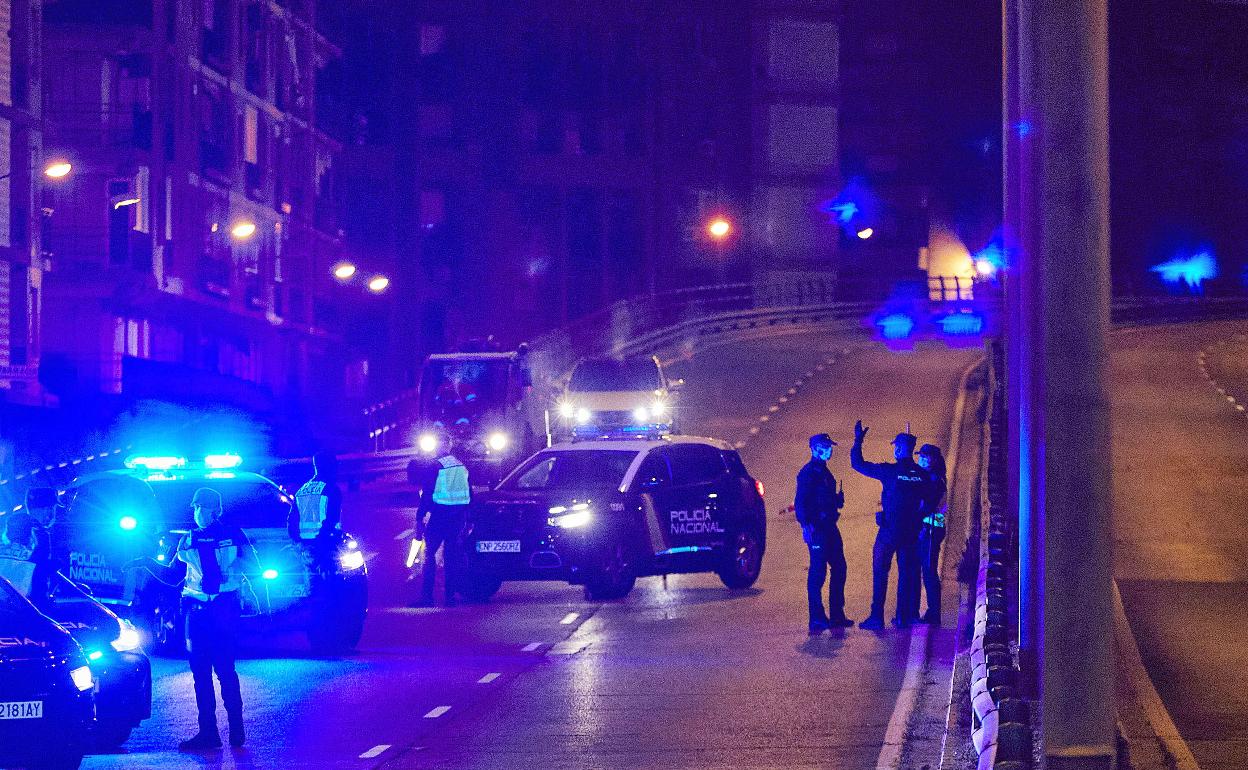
{"x": 817, "y": 502}
{"x": 907, "y": 488}
{"x": 217, "y": 557}
{"x": 443, "y": 481}
{"x": 317, "y": 509}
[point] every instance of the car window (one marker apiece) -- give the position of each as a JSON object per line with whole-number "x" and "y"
{"x": 735, "y": 465}
{"x": 654, "y": 473}
{"x": 600, "y": 374}
{"x": 103, "y": 502}
{"x": 589, "y": 469}
{"x": 695, "y": 464}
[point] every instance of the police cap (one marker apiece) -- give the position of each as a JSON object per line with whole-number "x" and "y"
{"x": 907, "y": 440}
{"x": 821, "y": 439}
{"x": 209, "y": 499}
{"x": 40, "y": 497}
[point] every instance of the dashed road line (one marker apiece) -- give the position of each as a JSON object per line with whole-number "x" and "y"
{"x": 531, "y": 646}
{"x": 437, "y": 712}
{"x": 489, "y": 678}
{"x": 569, "y": 619}
{"x": 375, "y": 751}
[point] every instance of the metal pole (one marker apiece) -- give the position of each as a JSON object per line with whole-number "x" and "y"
{"x": 1063, "y": 87}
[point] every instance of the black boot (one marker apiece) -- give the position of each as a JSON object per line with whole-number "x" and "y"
{"x": 238, "y": 735}
{"x": 201, "y": 741}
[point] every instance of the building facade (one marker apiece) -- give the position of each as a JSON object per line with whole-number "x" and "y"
{"x": 191, "y": 254}
{"x": 21, "y": 183}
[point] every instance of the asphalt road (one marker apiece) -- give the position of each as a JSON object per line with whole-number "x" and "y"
{"x": 1180, "y": 496}
{"x": 682, "y": 673}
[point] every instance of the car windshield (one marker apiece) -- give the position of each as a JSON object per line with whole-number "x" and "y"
{"x": 588, "y": 469}
{"x": 461, "y": 392}
{"x": 610, "y": 375}
{"x": 246, "y": 502}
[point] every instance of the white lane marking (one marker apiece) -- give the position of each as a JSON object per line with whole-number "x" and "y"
{"x": 1239, "y": 407}
{"x": 754, "y": 431}
{"x": 773, "y": 409}
{"x": 739, "y": 445}
{"x": 375, "y": 751}
{"x": 894, "y": 737}
{"x": 405, "y": 534}
{"x": 569, "y": 619}
{"x": 1150, "y": 701}
{"x": 531, "y": 646}
{"x": 1221, "y": 391}
{"x": 784, "y": 399}
{"x": 1230, "y": 399}
{"x": 792, "y": 391}
{"x": 764, "y": 418}
{"x": 488, "y": 678}
{"x": 437, "y": 712}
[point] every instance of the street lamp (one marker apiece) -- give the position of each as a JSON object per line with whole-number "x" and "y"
{"x": 57, "y": 169}
{"x": 344, "y": 270}
{"x": 243, "y": 230}
{"x": 719, "y": 228}
{"x": 866, "y": 233}
{"x": 378, "y": 284}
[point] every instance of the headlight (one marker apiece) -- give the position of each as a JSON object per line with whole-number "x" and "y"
{"x": 497, "y": 442}
{"x": 566, "y": 410}
{"x": 641, "y": 414}
{"x": 128, "y": 638}
{"x": 658, "y": 409}
{"x": 428, "y": 443}
{"x": 82, "y": 678}
{"x": 583, "y": 415}
{"x": 128, "y": 522}
{"x": 351, "y": 560}
{"x": 269, "y": 574}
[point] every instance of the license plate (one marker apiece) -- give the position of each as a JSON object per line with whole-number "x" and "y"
{"x": 21, "y": 709}
{"x": 498, "y": 546}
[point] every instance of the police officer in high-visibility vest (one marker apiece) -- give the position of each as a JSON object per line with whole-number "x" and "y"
{"x": 316, "y": 515}
{"x": 443, "y": 511}
{"x": 213, "y": 558}
{"x": 26, "y": 555}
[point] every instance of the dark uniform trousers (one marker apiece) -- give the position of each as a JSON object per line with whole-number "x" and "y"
{"x": 211, "y": 628}
{"x": 906, "y": 548}
{"x": 445, "y": 530}
{"x": 930, "y": 539}
{"x": 827, "y": 562}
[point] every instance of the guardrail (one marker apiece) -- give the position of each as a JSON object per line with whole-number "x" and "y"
{"x": 1000, "y": 720}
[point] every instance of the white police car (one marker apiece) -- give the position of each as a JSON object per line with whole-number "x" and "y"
{"x": 114, "y": 517}
{"x": 602, "y": 513}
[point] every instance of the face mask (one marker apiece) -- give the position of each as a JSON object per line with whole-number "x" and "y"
{"x": 203, "y": 516}
{"x": 924, "y": 461}
{"x": 824, "y": 453}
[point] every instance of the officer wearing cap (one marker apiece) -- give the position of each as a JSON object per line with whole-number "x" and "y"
{"x": 27, "y": 559}
{"x": 906, "y": 487}
{"x": 213, "y": 559}
{"x": 818, "y": 505}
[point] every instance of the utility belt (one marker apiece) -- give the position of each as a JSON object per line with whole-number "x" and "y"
{"x": 192, "y": 602}
{"x": 934, "y": 522}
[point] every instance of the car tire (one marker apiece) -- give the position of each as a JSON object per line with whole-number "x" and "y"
{"x": 337, "y": 621}
{"x": 110, "y": 734}
{"x": 479, "y": 588}
{"x": 743, "y": 560}
{"x": 614, "y": 579}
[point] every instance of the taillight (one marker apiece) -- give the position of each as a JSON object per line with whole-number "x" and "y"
{"x": 759, "y": 486}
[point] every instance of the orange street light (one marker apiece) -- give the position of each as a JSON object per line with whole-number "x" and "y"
{"x": 378, "y": 284}
{"x": 719, "y": 228}
{"x": 866, "y": 233}
{"x": 243, "y": 230}
{"x": 344, "y": 270}
{"x": 57, "y": 169}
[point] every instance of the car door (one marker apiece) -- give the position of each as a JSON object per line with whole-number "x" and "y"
{"x": 695, "y": 519}
{"x": 653, "y": 483}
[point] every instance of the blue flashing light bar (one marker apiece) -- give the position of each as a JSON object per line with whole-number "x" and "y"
{"x": 962, "y": 324}
{"x": 896, "y": 326}
{"x": 155, "y": 463}
{"x": 221, "y": 462}
{"x": 128, "y": 523}
{"x": 269, "y": 574}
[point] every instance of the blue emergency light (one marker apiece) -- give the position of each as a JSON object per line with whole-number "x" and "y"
{"x": 224, "y": 461}
{"x": 155, "y": 463}
{"x": 128, "y": 523}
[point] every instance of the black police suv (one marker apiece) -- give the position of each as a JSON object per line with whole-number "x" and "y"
{"x": 115, "y": 654}
{"x": 114, "y": 517}
{"x": 47, "y": 690}
{"x": 603, "y": 513}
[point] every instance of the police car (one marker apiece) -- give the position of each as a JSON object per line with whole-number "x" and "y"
{"x": 114, "y": 651}
{"x": 47, "y": 689}
{"x": 602, "y": 513}
{"x": 143, "y": 510}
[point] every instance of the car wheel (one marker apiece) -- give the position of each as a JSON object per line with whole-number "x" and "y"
{"x": 744, "y": 560}
{"x": 109, "y": 734}
{"x": 479, "y": 588}
{"x": 614, "y": 579}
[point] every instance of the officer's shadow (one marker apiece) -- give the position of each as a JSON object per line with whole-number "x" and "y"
{"x": 825, "y": 645}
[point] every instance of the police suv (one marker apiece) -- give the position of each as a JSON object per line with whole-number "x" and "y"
{"x": 143, "y": 510}
{"x": 602, "y": 513}
{"x": 47, "y": 689}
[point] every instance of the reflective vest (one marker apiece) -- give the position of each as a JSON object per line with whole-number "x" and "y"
{"x": 451, "y": 487}
{"x": 313, "y": 507}
{"x": 17, "y": 555}
{"x": 212, "y": 561}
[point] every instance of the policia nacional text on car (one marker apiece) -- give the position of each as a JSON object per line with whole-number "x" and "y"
{"x": 214, "y": 558}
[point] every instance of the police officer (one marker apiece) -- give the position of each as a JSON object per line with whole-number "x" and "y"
{"x": 213, "y": 558}
{"x": 906, "y": 487}
{"x": 442, "y": 512}
{"x": 932, "y": 534}
{"x": 818, "y": 506}
{"x": 316, "y": 514}
{"x": 27, "y": 559}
